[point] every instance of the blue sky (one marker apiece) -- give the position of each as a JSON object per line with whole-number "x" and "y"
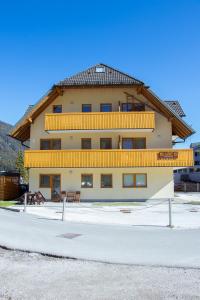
{"x": 42, "y": 42}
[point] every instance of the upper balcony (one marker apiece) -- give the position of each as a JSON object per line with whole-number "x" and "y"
{"x": 114, "y": 158}
{"x": 100, "y": 121}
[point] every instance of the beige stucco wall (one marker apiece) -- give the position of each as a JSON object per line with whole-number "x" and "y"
{"x": 159, "y": 183}
{"x": 72, "y": 101}
{"x": 160, "y": 180}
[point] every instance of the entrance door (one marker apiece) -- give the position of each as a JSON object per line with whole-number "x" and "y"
{"x": 55, "y": 187}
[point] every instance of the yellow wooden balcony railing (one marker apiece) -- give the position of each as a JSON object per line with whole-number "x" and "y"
{"x": 100, "y": 121}
{"x": 108, "y": 158}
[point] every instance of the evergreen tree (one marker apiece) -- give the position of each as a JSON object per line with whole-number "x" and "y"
{"x": 20, "y": 166}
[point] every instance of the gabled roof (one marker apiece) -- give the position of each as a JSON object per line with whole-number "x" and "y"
{"x": 175, "y": 106}
{"x": 89, "y": 78}
{"x": 100, "y": 74}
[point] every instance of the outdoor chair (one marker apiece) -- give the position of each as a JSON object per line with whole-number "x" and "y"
{"x": 77, "y": 196}
{"x": 71, "y": 196}
{"x": 39, "y": 198}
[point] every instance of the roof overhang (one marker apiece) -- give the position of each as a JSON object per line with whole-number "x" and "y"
{"x": 179, "y": 126}
{"x": 21, "y": 131}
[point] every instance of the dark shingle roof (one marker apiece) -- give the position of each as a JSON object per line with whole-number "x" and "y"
{"x": 176, "y": 107}
{"x": 109, "y": 76}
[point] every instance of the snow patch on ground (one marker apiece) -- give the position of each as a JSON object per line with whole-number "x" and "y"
{"x": 152, "y": 212}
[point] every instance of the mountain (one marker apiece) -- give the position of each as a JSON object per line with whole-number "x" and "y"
{"x": 8, "y": 148}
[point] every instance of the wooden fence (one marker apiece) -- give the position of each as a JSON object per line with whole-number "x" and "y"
{"x": 187, "y": 187}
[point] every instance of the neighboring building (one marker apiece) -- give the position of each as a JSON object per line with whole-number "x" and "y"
{"x": 196, "y": 149}
{"x": 105, "y": 134}
{"x": 192, "y": 173}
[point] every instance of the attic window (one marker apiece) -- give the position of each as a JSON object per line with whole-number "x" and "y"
{"x": 100, "y": 69}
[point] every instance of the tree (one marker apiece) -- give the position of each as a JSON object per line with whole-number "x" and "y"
{"x": 20, "y": 166}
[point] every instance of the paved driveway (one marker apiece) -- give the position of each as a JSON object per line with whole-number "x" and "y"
{"x": 108, "y": 243}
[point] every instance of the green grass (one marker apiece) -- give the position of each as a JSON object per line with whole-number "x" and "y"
{"x": 7, "y": 203}
{"x": 117, "y": 204}
{"x": 194, "y": 202}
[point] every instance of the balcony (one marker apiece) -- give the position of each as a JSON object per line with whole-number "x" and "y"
{"x": 100, "y": 121}
{"x": 115, "y": 158}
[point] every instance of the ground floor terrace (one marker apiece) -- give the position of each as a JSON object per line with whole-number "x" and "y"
{"x": 104, "y": 184}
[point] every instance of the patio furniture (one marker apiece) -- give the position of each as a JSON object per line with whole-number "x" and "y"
{"x": 71, "y": 196}
{"x": 30, "y": 198}
{"x": 39, "y": 198}
{"x": 77, "y": 196}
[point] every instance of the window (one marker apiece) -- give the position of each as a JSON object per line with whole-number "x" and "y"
{"x": 139, "y": 143}
{"x": 106, "y": 107}
{"x": 86, "y": 180}
{"x": 127, "y": 106}
{"x": 140, "y": 180}
{"x": 105, "y": 143}
{"x": 134, "y": 180}
{"x": 127, "y": 143}
{"x": 138, "y": 107}
{"x": 57, "y": 109}
{"x": 132, "y": 106}
{"x": 100, "y": 69}
{"x": 50, "y": 144}
{"x": 86, "y": 144}
{"x": 86, "y": 107}
{"x": 133, "y": 143}
{"x": 106, "y": 180}
{"x": 128, "y": 180}
{"x": 45, "y": 181}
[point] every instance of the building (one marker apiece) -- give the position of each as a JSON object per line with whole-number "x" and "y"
{"x": 106, "y": 134}
{"x": 9, "y": 185}
{"x": 191, "y": 174}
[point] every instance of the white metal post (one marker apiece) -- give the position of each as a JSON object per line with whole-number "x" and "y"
{"x": 63, "y": 213}
{"x": 170, "y": 213}
{"x": 25, "y": 202}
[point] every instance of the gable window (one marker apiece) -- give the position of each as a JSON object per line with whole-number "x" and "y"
{"x": 106, "y": 180}
{"x": 50, "y": 144}
{"x": 139, "y": 106}
{"x": 106, "y": 107}
{"x": 57, "y": 109}
{"x": 133, "y": 143}
{"x": 86, "y": 107}
{"x": 86, "y": 180}
{"x": 86, "y": 143}
{"x": 127, "y": 106}
{"x": 105, "y": 143}
{"x": 133, "y": 106}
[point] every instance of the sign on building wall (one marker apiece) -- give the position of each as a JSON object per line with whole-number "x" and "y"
{"x": 167, "y": 155}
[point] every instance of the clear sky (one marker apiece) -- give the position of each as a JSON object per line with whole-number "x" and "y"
{"x": 42, "y": 42}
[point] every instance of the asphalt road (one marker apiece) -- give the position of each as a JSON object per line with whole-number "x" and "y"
{"x": 157, "y": 246}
